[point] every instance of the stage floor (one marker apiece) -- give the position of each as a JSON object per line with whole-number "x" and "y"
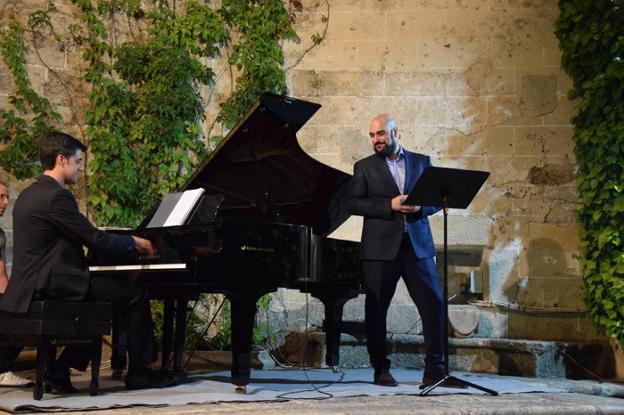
{"x": 288, "y": 391}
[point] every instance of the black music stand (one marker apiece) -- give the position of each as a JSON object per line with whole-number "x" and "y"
{"x": 449, "y": 188}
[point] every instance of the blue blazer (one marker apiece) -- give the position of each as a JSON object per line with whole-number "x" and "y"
{"x": 370, "y": 193}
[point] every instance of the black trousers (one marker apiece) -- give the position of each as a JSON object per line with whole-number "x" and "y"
{"x": 423, "y": 284}
{"x": 131, "y": 305}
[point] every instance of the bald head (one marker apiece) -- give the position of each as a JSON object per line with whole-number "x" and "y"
{"x": 384, "y": 134}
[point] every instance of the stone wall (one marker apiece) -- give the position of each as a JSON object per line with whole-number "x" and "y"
{"x": 473, "y": 83}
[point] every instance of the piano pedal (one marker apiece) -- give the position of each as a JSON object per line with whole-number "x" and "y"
{"x": 240, "y": 389}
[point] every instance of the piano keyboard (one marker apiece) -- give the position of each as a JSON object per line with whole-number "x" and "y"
{"x": 138, "y": 267}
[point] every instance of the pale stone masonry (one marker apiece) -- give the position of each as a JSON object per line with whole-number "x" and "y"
{"x": 473, "y": 83}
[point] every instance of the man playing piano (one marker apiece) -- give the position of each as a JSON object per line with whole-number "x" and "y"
{"x": 396, "y": 242}
{"x": 49, "y": 263}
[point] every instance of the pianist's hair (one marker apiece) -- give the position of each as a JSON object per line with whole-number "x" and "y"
{"x": 5, "y": 185}
{"x": 56, "y": 143}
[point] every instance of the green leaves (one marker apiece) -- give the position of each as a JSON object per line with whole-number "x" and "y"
{"x": 31, "y": 115}
{"x": 145, "y": 110}
{"x": 591, "y": 36}
{"x": 257, "y": 54}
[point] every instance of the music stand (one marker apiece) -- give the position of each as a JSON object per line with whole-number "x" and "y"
{"x": 449, "y": 188}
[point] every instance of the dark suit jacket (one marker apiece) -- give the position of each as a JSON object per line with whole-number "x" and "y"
{"x": 48, "y": 237}
{"x": 370, "y": 193}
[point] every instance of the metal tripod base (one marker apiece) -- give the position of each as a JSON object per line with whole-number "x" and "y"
{"x": 457, "y": 381}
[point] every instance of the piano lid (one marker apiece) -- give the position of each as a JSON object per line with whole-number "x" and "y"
{"x": 263, "y": 173}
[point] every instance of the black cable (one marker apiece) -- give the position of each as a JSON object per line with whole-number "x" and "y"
{"x": 305, "y": 356}
{"x": 205, "y": 329}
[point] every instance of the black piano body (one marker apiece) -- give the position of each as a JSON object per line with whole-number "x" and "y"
{"x": 262, "y": 224}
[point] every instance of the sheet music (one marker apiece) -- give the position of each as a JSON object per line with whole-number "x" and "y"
{"x": 175, "y": 208}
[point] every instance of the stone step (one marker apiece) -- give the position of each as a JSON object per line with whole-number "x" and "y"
{"x": 513, "y": 357}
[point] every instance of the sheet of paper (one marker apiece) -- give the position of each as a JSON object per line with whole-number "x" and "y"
{"x": 183, "y": 208}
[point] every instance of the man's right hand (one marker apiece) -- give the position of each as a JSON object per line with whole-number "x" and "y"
{"x": 4, "y": 282}
{"x": 396, "y": 202}
{"x": 145, "y": 246}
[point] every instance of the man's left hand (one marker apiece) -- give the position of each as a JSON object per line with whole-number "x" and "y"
{"x": 410, "y": 208}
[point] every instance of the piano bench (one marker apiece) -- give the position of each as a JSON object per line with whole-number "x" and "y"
{"x": 48, "y": 323}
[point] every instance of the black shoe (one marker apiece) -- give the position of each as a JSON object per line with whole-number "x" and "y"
{"x": 117, "y": 374}
{"x": 147, "y": 379}
{"x": 58, "y": 380}
{"x": 384, "y": 378}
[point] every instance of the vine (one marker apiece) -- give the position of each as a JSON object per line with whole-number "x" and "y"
{"x": 591, "y": 36}
{"x": 29, "y": 115}
{"x": 145, "y": 108}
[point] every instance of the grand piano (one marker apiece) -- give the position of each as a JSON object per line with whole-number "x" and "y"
{"x": 262, "y": 223}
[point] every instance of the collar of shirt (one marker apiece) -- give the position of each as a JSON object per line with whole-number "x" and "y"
{"x": 399, "y": 157}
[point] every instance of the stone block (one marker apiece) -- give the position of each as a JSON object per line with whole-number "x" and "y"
{"x": 6, "y": 80}
{"x": 539, "y": 5}
{"x": 463, "y": 229}
{"x": 331, "y": 54}
{"x": 482, "y": 78}
{"x": 449, "y": 111}
{"x": 334, "y": 111}
{"x": 357, "y": 25}
{"x": 349, "y": 142}
{"x": 529, "y": 200}
{"x": 550, "y": 326}
{"x": 492, "y": 201}
{"x": 346, "y": 83}
{"x": 403, "y": 109}
{"x": 392, "y": 5}
{"x": 516, "y": 50}
{"x": 64, "y": 88}
{"x": 415, "y": 24}
{"x": 563, "y": 113}
{"x": 532, "y": 141}
{"x": 37, "y": 76}
{"x": 498, "y": 23}
{"x": 403, "y": 319}
{"x": 492, "y": 323}
{"x": 417, "y": 83}
{"x": 45, "y": 51}
{"x": 538, "y": 94}
{"x": 423, "y": 139}
{"x": 419, "y": 54}
{"x": 308, "y": 138}
{"x": 552, "y": 292}
{"x": 320, "y": 6}
{"x": 463, "y": 320}
{"x": 501, "y": 271}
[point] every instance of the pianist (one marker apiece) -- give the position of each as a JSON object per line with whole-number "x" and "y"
{"x": 49, "y": 263}
{"x": 396, "y": 242}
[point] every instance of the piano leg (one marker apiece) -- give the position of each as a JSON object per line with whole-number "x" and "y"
{"x": 180, "y": 339}
{"x": 333, "y": 326}
{"x": 333, "y": 301}
{"x": 243, "y": 309}
{"x": 167, "y": 334}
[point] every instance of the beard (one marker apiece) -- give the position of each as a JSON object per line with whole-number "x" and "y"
{"x": 386, "y": 149}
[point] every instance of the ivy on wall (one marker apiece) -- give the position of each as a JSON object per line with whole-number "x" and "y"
{"x": 145, "y": 107}
{"x": 591, "y": 36}
{"x": 30, "y": 114}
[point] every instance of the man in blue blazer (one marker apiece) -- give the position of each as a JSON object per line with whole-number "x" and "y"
{"x": 396, "y": 242}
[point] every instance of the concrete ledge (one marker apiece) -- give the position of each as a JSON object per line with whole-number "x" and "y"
{"x": 512, "y": 357}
